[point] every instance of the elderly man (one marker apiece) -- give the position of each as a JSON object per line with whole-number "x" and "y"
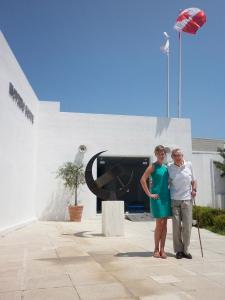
{"x": 182, "y": 190}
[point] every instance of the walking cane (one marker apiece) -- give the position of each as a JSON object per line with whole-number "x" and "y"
{"x": 197, "y": 216}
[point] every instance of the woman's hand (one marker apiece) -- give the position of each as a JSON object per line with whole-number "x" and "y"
{"x": 154, "y": 196}
{"x": 144, "y": 179}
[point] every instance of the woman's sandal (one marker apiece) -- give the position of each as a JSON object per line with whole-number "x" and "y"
{"x": 163, "y": 255}
{"x": 156, "y": 254}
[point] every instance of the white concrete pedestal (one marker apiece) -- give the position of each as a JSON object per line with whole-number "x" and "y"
{"x": 113, "y": 218}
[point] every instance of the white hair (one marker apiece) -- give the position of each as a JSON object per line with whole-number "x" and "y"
{"x": 175, "y": 150}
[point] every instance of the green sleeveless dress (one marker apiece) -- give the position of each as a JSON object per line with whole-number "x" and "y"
{"x": 160, "y": 208}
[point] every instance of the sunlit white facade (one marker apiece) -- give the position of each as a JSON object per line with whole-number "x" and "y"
{"x": 36, "y": 138}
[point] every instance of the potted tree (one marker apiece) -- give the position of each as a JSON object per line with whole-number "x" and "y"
{"x": 73, "y": 177}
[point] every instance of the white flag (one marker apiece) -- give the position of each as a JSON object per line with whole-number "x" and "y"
{"x": 165, "y": 48}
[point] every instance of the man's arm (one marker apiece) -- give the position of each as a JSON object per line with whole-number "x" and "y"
{"x": 193, "y": 183}
{"x": 194, "y": 188}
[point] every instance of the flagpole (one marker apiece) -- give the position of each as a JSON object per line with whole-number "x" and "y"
{"x": 180, "y": 74}
{"x": 165, "y": 48}
{"x": 168, "y": 84}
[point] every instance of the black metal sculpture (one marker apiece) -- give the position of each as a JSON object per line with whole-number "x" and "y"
{"x": 97, "y": 186}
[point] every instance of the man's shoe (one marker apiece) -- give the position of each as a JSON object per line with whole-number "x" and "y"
{"x": 179, "y": 255}
{"x": 187, "y": 255}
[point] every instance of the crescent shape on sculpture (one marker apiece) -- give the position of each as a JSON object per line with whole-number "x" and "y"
{"x": 101, "y": 192}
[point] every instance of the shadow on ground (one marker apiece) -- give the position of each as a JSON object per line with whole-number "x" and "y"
{"x": 84, "y": 234}
{"x": 140, "y": 254}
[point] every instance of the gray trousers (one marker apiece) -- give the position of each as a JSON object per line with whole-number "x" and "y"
{"x": 182, "y": 224}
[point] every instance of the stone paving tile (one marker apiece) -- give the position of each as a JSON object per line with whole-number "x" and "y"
{"x": 42, "y": 253}
{"x": 10, "y": 264}
{"x": 47, "y": 281}
{"x": 148, "y": 287}
{"x": 169, "y": 296}
{"x": 102, "y": 291}
{"x": 165, "y": 278}
{"x": 201, "y": 288}
{"x": 42, "y": 270}
{"x": 71, "y": 265}
{"x": 205, "y": 268}
{"x": 85, "y": 277}
{"x": 129, "y": 298}
{"x": 170, "y": 270}
{"x": 68, "y": 251}
{"x": 61, "y": 293}
{"x": 65, "y": 260}
{"x": 216, "y": 277}
{"x": 116, "y": 265}
{"x": 11, "y": 283}
{"x": 130, "y": 273}
{"x": 11, "y": 295}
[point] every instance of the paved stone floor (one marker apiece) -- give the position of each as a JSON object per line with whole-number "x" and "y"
{"x": 66, "y": 261}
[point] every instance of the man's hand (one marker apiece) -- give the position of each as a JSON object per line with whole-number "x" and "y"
{"x": 193, "y": 193}
{"x": 154, "y": 196}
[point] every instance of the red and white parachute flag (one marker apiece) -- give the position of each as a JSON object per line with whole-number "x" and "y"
{"x": 190, "y": 20}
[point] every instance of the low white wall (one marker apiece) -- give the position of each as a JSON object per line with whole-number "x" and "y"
{"x": 210, "y": 183}
{"x": 18, "y": 139}
{"x": 61, "y": 133}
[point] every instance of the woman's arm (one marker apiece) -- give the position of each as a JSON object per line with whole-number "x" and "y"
{"x": 145, "y": 176}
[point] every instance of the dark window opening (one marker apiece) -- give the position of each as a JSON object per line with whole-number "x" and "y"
{"x": 135, "y": 200}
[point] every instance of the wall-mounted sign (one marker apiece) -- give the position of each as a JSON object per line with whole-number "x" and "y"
{"x": 20, "y": 103}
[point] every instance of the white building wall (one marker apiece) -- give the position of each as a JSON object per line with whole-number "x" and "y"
{"x": 17, "y": 148}
{"x": 31, "y": 154}
{"x": 210, "y": 183}
{"x": 61, "y": 133}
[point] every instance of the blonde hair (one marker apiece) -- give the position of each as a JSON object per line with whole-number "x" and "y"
{"x": 159, "y": 148}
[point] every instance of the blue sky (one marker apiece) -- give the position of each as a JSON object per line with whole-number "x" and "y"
{"x": 102, "y": 56}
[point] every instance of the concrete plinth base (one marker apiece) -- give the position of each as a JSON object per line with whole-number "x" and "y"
{"x": 113, "y": 218}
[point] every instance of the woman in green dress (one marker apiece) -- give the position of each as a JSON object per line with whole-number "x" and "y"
{"x": 160, "y": 202}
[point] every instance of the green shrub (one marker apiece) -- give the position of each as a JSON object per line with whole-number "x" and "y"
{"x": 219, "y": 223}
{"x": 206, "y": 215}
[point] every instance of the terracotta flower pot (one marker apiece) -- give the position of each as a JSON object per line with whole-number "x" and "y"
{"x": 75, "y": 212}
